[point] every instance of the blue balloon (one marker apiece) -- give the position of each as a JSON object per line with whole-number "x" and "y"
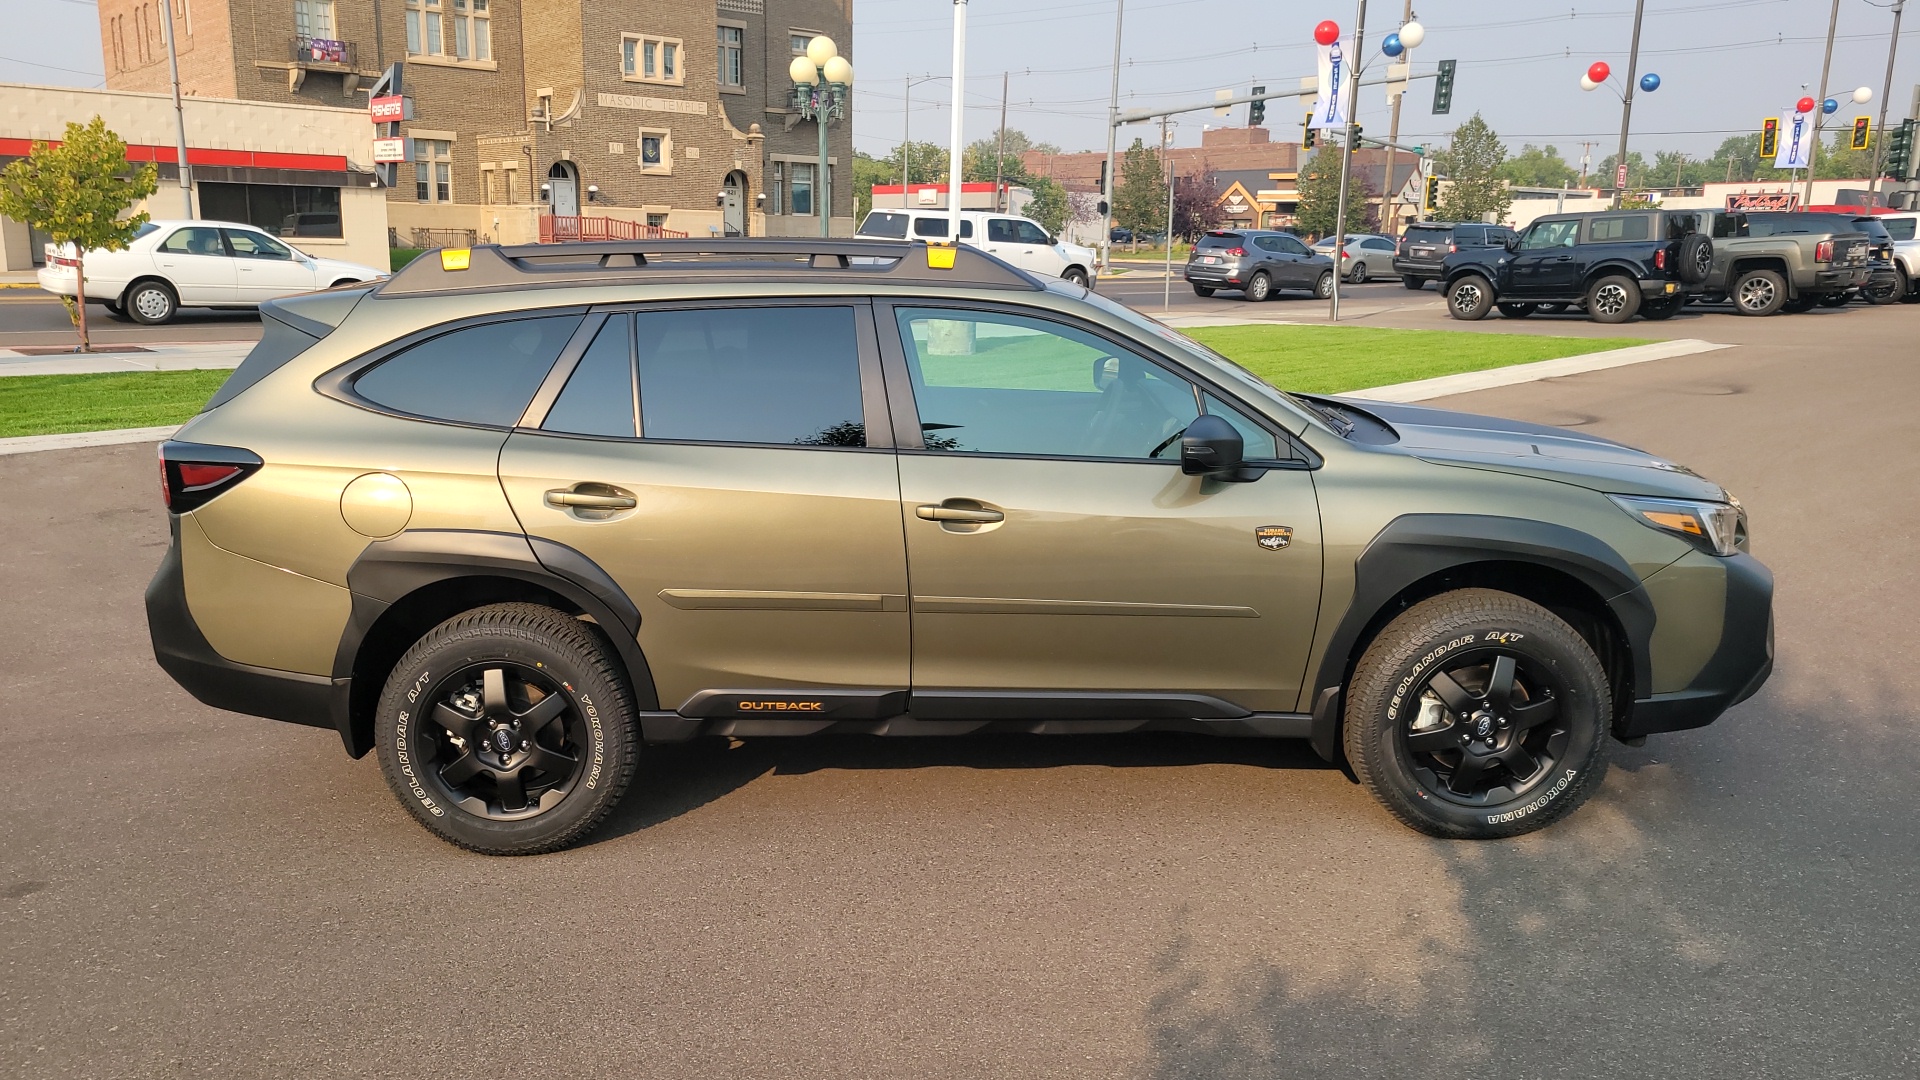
{"x": 1829, "y": 106}
{"x": 1391, "y": 45}
{"x": 1649, "y": 82}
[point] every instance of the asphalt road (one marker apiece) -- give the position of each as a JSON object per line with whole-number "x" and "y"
{"x": 185, "y": 892}
{"x": 31, "y": 317}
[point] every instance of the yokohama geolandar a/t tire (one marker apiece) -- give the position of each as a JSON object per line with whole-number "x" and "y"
{"x": 1478, "y": 714}
{"x": 508, "y": 730}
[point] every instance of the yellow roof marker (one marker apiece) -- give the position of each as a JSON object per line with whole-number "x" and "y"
{"x": 455, "y": 258}
{"x": 940, "y": 256}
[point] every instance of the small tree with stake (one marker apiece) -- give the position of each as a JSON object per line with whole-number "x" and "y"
{"x": 76, "y": 193}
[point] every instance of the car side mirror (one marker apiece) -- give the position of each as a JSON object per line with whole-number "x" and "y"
{"x": 1511, "y": 243}
{"x": 1211, "y": 447}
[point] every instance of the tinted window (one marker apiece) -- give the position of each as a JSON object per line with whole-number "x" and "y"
{"x": 1428, "y": 234}
{"x": 1798, "y": 224}
{"x": 1221, "y": 240}
{"x": 194, "y": 242}
{"x": 992, "y": 383}
{"x": 1900, "y": 228}
{"x": 1292, "y": 245}
{"x": 1470, "y": 236}
{"x": 1873, "y": 229}
{"x": 250, "y": 245}
{"x": 1377, "y": 244}
{"x": 889, "y": 226}
{"x": 481, "y": 375}
{"x": 937, "y": 227}
{"x": 1260, "y": 444}
{"x": 598, "y": 399}
{"x": 1604, "y": 230}
{"x": 789, "y": 376}
{"x": 1727, "y": 226}
{"x": 1268, "y": 243}
{"x": 1551, "y": 234}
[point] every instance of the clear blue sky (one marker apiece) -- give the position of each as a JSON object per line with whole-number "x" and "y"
{"x": 1724, "y": 64}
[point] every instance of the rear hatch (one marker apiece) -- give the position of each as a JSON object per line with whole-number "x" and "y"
{"x": 1426, "y": 244}
{"x": 1218, "y": 248}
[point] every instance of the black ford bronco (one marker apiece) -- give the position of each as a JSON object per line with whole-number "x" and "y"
{"x": 1614, "y": 264}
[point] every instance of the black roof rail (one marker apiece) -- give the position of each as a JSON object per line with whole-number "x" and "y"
{"x": 758, "y": 259}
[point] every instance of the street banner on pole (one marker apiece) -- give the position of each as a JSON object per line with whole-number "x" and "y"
{"x": 1330, "y": 109}
{"x": 1796, "y": 140}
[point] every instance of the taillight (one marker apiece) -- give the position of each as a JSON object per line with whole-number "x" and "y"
{"x": 1823, "y": 251}
{"x": 1660, "y": 259}
{"x": 1236, "y": 252}
{"x": 1344, "y": 254}
{"x": 192, "y": 474}
{"x": 1452, "y": 247}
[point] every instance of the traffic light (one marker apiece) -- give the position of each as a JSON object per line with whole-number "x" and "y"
{"x": 1770, "y": 137}
{"x": 1312, "y": 137}
{"x": 1433, "y": 193}
{"x": 1900, "y": 151}
{"x": 1862, "y": 133}
{"x": 1256, "y": 110}
{"x": 1443, "y": 89}
{"x": 1353, "y": 140}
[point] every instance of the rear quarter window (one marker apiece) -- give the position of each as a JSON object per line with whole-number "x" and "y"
{"x": 1618, "y": 230}
{"x": 1899, "y": 228}
{"x": 482, "y": 374}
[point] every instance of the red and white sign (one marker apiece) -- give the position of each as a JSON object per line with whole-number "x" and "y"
{"x": 1763, "y": 200}
{"x": 1620, "y": 176}
{"x": 386, "y": 151}
{"x": 390, "y": 110}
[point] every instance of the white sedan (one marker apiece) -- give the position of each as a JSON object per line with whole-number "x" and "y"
{"x": 176, "y": 264}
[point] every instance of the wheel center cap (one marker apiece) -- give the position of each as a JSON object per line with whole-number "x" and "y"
{"x": 502, "y": 739}
{"x": 1482, "y": 726}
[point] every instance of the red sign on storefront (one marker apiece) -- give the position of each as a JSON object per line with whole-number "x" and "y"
{"x": 390, "y": 110}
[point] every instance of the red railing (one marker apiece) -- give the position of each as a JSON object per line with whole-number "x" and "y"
{"x": 557, "y": 229}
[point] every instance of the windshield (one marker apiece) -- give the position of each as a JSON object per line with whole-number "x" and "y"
{"x": 887, "y": 226}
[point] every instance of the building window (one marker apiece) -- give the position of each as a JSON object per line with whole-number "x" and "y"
{"x": 472, "y": 30}
{"x": 657, "y": 221}
{"x": 797, "y": 41}
{"x": 656, "y": 150}
{"x": 424, "y": 30}
{"x": 280, "y": 209}
{"x": 433, "y": 170}
{"x": 732, "y": 47}
{"x": 802, "y": 189}
{"x": 313, "y": 19}
{"x": 644, "y": 58}
{"x": 777, "y": 187}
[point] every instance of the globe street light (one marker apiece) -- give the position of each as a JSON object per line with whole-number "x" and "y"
{"x": 822, "y": 83}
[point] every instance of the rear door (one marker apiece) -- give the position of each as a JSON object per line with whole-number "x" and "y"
{"x": 195, "y": 260}
{"x": 1280, "y": 262}
{"x": 745, "y": 498}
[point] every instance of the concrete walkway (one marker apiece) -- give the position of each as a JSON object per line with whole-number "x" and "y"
{"x": 185, "y": 356}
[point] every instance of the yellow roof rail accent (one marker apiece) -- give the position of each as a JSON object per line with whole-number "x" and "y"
{"x": 940, "y": 256}
{"x": 455, "y": 258}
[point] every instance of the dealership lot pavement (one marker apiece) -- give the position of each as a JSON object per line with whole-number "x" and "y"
{"x": 185, "y": 892}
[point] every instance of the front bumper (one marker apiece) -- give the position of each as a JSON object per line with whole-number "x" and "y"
{"x": 184, "y": 653}
{"x": 1735, "y": 671}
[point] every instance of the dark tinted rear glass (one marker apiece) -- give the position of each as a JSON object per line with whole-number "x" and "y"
{"x": 1222, "y": 240}
{"x": 787, "y": 376}
{"x": 889, "y": 226}
{"x": 598, "y": 399}
{"x": 1798, "y": 224}
{"x": 1873, "y": 228}
{"x": 481, "y": 375}
{"x": 1429, "y": 234}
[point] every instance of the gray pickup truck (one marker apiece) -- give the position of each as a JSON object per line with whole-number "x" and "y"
{"x": 1768, "y": 262}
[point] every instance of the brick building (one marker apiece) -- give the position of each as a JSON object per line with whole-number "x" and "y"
{"x": 665, "y": 112}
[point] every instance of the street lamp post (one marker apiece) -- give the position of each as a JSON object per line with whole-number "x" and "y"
{"x": 906, "y": 131}
{"x": 822, "y": 83}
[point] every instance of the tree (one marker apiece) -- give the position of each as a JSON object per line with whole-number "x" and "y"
{"x": 1537, "y": 166}
{"x": 867, "y": 172}
{"x": 1472, "y": 162}
{"x": 1838, "y": 161}
{"x": 1319, "y": 187}
{"x": 1196, "y": 205}
{"x": 1049, "y": 205}
{"x": 1140, "y": 202}
{"x": 76, "y": 193}
{"x": 926, "y": 164}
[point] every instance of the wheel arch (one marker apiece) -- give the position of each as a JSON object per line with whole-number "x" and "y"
{"x": 1758, "y": 262}
{"x": 404, "y": 586}
{"x": 142, "y": 279}
{"x": 1608, "y": 269}
{"x": 1418, "y": 556}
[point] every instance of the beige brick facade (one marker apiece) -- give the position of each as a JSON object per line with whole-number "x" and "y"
{"x": 547, "y": 100}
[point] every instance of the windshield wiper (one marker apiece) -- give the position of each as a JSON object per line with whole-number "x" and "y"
{"x": 1335, "y": 418}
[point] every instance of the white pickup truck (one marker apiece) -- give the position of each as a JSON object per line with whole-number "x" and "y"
{"x": 1015, "y": 239}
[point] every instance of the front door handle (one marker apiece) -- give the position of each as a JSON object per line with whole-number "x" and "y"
{"x": 587, "y": 501}
{"x": 953, "y": 513}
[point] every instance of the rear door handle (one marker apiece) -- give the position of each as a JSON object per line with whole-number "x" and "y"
{"x": 953, "y": 513}
{"x": 585, "y": 501}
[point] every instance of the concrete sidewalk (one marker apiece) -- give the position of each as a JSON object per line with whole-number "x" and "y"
{"x": 184, "y": 356}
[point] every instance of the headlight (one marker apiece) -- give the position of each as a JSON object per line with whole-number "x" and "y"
{"x": 1717, "y": 528}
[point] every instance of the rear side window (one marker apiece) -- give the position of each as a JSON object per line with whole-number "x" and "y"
{"x": 278, "y": 344}
{"x": 483, "y": 374}
{"x": 784, "y": 376}
{"x": 936, "y": 227}
{"x": 1899, "y": 228}
{"x": 598, "y": 399}
{"x": 194, "y": 241}
{"x": 1470, "y": 236}
{"x": 886, "y": 226}
{"x": 1604, "y": 230}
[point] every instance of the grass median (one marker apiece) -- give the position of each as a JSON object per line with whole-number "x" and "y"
{"x": 1336, "y": 359}
{"x": 57, "y": 404}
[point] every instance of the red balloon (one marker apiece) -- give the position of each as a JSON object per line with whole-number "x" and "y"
{"x": 1327, "y": 32}
{"x": 1599, "y": 71}
{"x": 1805, "y": 104}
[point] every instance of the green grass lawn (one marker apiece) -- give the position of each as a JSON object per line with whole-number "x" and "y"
{"x": 51, "y": 404}
{"x": 1334, "y": 359}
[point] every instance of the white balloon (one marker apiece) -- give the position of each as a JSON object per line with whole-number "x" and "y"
{"x": 1588, "y": 84}
{"x": 1863, "y": 95}
{"x": 1412, "y": 34}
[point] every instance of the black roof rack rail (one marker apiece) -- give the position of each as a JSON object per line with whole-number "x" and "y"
{"x": 639, "y": 262}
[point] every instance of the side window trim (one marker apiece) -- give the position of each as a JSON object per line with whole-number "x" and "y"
{"x": 556, "y": 380}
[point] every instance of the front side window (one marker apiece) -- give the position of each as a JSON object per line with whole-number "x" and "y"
{"x": 252, "y": 245}
{"x": 645, "y": 58}
{"x": 194, "y": 241}
{"x": 1618, "y": 229}
{"x": 1551, "y": 234}
{"x": 1260, "y": 445}
{"x": 732, "y": 68}
{"x": 598, "y": 398}
{"x": 480, "y": 375}
{"x": 778, "y": 376}
{"x": 994, "y": 383}
{"x": 1292, "y": 245}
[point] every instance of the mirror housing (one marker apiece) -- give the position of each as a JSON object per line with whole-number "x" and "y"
{"x": 1512, "y": 242}
{"x": 1211, "y": 447}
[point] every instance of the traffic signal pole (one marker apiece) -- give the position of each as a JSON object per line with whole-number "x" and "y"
{"x": 1347, "y": 149}
{"x": 1886, "y": 98}
{"x": 1393, "y": 136}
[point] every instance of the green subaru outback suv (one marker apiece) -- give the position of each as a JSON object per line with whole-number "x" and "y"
{"x": 514, "y": 514}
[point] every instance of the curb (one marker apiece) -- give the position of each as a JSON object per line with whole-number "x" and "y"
{"x": 29, "y": 444}
{"x": 1468, "y": 381}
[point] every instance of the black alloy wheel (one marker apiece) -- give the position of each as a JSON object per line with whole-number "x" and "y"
{"x": 1484, "y": 732}
{"x": 1469, "y": 298}
{"x": 504, "y": 743}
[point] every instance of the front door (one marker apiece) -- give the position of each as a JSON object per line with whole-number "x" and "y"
{"x": 1025, "y": 245}
{"x": 563, "y": 190}
{"x": 195, "y": 260}
{"x": 1053, "y": 542}
{"x": 265, "y": 268}
{"x": 736, "y": 501}
{"x": 733, "y": 210}
{"x": 1544, "y": 265}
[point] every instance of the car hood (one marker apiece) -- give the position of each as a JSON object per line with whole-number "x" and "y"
{"x": 1501, "y": 445}
{"x": 334, "y": 268}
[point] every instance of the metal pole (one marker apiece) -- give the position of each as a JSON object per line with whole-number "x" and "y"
{"x": 1000, "y": 155}
{"x": 823, "y": 192}
{"x": 1392, "y": 201}
{"x": 1886, "y": 95}
{"x": 1346, "y": 157}
{"x": 1113, "y": 114}
{"x": 1626, "y": 103}
{"x": 959, "y": 118}
{"x": 1166, "y": 301}
{"x": 906, "y": 139}
{"x": 179, "y": 113}
{"x": 1819, "y": 103}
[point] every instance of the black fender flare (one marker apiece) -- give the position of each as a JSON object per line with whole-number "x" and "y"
{"x": 1416, "y": 546}
{"x": 1611, "y": 266}
{"x": 389, "y": 570}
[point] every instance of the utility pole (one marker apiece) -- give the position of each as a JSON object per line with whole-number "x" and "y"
{"x": 1166, "y": 149}
{"x": 1886, "y": 98}
{"x": 906, "y": 137}
{"x": 179, "y": 112}
{"x": 1626, "y": 103}
{"x": 959, "y": 119}
{"x": 1393, "y": 134}
{"x": 1113, "y": 130}
{"x": 1820, "y": 103}
{"x": 1346, "y": 157}
{"x": 1000, "y": 155}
